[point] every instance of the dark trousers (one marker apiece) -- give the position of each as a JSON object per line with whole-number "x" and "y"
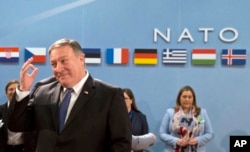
{"x": 15, "y": 148}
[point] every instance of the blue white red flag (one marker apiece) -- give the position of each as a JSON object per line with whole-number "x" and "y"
{"x": 232, "y": 57}
{"x": 38, "y": 54}
{"x": 9, "y": 54}
{"x": 117, "y": 55}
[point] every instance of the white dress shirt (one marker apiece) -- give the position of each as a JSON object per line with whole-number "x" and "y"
{"x": 74, "y": 95}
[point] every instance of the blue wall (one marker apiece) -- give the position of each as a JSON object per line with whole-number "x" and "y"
{"x": 222, "y": 90}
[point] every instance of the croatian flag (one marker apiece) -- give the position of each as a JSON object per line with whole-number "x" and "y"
{"x": 9, "y": 54}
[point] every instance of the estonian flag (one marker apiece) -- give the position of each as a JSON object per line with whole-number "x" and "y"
{"x": 92, "y": 55}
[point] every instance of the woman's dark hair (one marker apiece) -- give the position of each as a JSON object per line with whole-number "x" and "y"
{"x": 130, "y": 94}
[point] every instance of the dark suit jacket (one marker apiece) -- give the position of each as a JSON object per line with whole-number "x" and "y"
{"x": 28, "y": 137}
{"x": 98, "y": 121}
{"x": 3, "y": 129}
{"x": 139, "y": 124}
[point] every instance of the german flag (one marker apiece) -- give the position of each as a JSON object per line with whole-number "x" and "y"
{"x": 145, "y": 56}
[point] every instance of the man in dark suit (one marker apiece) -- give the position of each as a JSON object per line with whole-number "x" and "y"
{"x": 96, "y": 116}
{"x": 13, "y": 141}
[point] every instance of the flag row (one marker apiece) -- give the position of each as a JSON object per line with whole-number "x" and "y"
{"x": 199, "y": 56}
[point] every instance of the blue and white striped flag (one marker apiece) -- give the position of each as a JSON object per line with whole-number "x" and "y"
{"x": 174, "y": 56}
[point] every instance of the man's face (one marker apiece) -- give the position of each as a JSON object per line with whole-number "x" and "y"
{"x": 67, "y": 66}
{"x": 11, "y": 90}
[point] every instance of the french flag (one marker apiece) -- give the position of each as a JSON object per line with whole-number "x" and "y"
{"x": 38, "y": 54}
{"x": 117, "y": 55}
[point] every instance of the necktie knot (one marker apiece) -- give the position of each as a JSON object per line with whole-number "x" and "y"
{"x": 63, "y": 108}
{"x": 68, "y": 91}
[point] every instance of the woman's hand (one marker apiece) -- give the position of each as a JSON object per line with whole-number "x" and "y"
{"x": 182, "y": 142}
{"x": 193, "y": 141}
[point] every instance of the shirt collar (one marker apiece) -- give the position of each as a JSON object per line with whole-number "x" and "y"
{"x": 78, "y": 87}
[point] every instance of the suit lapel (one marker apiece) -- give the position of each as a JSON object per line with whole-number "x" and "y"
{"x": 84, "y": 97}
{"x": 55, "y": 98}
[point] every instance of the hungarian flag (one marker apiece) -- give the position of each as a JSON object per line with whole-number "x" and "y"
{"x": 203, "y": 56}
{"x": 145, "y": 56}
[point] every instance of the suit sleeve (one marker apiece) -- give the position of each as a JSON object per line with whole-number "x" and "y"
{"x": 119, "y": 124}
{"x": 206, "y": 133}
{"x": 19, "y": 115}
{"x": 144, "y": 124}
{"x": 165, "y": 134}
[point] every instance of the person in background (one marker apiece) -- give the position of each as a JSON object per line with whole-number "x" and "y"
{"x": 70, "y": 111}
{"x": 186, "y": 127}
{"x": 12, "y": 141}
{"x": 138, "y": 119}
